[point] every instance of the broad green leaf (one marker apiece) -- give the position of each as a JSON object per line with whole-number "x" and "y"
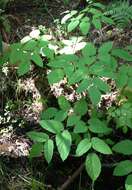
{"x": 48, "y": 150}
{"x": 63, "y": 142}
{"x": 37, "y": 136}
{"x": 97, "y": 23}
{"x": 98, "y": 126}
{"x": 102, "y": 85}
{"x": 61, "y": 115}
{"x": 77, "y": 76}
{"x": 123, "y": 147}
{"x": 72, "y": 25}
{"x": 94, "y": 95}
{"x": 89, "y": 50}
{"x": 100, "y": 146}
{"x": 24, "y": 67}
{"x": 72, "y": 120}
{"x": 55, "y": 76}
{"x": 81, "y": 107}
{"x": 63, "y": 103}
{"x": 30, "y": 45}
{"x": 123, "y": 168}
{"x": 36, "y": 150}
{"x": 37, "y": 59}
{"x": 128, "y": 182}
{"x": 84, "y": 25}
{"x": 49, "y": 113}
{"x": 83, "y": 85}
{"x": 121, "y": 53}
{"x": 52, "y": 126}
{"x": 129, "y": 47}
{"x": 80, "y": 127}
{"x": 83, "y": 147}
{"x": 105, "y": 47}
{"x": 93, "y": 166}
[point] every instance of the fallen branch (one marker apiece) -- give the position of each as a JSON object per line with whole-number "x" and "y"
{"x": 71, "y": 178}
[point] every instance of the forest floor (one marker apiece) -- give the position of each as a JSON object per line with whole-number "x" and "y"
{"x": 18, "y": 172}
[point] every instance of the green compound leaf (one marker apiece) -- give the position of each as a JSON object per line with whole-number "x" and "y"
{"x": 63, "y": 142}
{"x": 97, "y": 23}
{"x": 128, "y": 182}
{"x": 123, "y": 168}
{"x": 63, "y": 103}
{"x": 52, "y": 126}
{"x": 93, "y": 166}
{"x": 48, "y": 150}
{"x": 123, "y": 147}
{"x": 72, "y": 120}
{"x": 100, "y": 146}
{"x": 61, "y": 115}
{"x": 83, "y": 147}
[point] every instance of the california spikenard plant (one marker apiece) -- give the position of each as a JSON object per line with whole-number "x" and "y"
{"x": 78, "y": 128}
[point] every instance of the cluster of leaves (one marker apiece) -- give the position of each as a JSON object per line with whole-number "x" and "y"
{"x": 78, "y": 127}
{"x": 92, "y": 16}
{"x": 120, "y": 12}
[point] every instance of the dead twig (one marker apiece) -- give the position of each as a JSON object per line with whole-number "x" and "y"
{"x": 71, "y": 178}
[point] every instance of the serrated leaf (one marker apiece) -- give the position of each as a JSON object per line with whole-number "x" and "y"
{"x": 93, "y": 166}
{"x": 97, "y": 23}
{"x": 61, "y": 115}
{"x": 81, "y": 107}
{"x": 121, "y": 53}
{"x": 63, "y": 103}
{"x": 100, "y": 146}
{"x": 102, "y": 85}
{"x": 63, "y": 142}
{"x": 48, "y": 150}
{"x": 83, "y": 85}
{"x": 36, "y": 150}
{"x": 72, "y": 120}
{"x": 98, "y": 126}
{"x": 123, "y": 168}
{"x": 52, "y": 126}
{"x": 37, "y": 59}
{"x": 128, "y": 182}
{"x": 24, "y": 67}
{"x": 89, "y": 50}
{"x": 83, "y": 147}
{"x": 76, "y": 77}
{"x": 55, "y": 76}
{"x": 94, "y": 95}
{"x": 105, "y": 48}
{"x": 38, "y": 136}
{"x": 84, "y": 25}
{"x": 123, "y": 147}
{"x": 72, "y": 25}
{"x": 49, "y": 113}
{"x": 80, "y": 127}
